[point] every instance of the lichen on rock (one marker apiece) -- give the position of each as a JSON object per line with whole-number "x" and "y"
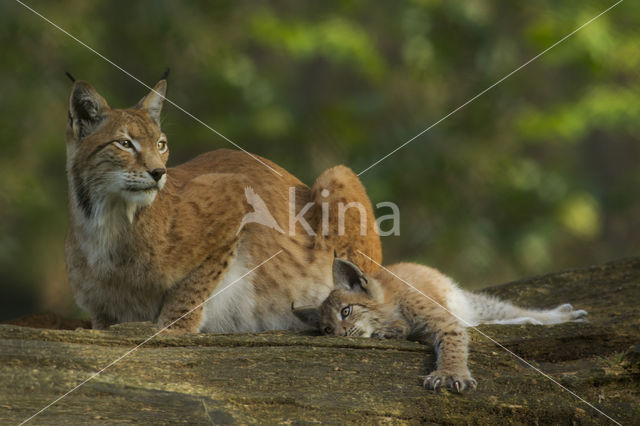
{"x": 281, "y": 376}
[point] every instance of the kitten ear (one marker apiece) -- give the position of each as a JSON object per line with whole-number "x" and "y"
{"x": 86, "y": 109}
{"x": 347, "y": 275}
{"x": 308, "y": 315}
{"x": 152, "y": 103}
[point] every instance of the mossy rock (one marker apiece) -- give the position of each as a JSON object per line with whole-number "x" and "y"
{"x": 290, "y": 377}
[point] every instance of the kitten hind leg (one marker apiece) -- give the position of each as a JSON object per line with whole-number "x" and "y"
{"x": 558, "y": 315}
{"x": 566, "y": 313}
{"x": 516, "y": 321}
{"x": 491, "y": 310}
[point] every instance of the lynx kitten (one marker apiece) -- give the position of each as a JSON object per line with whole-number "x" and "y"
{"x": 383, "y": 306}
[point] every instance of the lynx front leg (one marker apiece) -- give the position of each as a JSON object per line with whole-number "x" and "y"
{"x": 184, "y": 303}
{"x": 101, "y": 321}
{"x": 451, "y": 345}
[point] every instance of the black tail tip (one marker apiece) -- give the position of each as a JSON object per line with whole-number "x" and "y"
{"x": 165, "y": 74}
{"x": 73, "y": 80}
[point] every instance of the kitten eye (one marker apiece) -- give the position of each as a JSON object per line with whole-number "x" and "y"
{"x": 328, "y": 330}
{"x": 162, "y": 146}
{"x": 346, "y": 311}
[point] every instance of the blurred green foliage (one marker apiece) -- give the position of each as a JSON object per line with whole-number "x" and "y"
{"x": 540, "y": 173}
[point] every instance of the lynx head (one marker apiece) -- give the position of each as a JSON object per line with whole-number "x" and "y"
{"x": 115, "y": 157}
{"x": 354, "y": 308}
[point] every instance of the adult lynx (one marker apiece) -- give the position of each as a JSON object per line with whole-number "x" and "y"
{"x": 146, "y": 243}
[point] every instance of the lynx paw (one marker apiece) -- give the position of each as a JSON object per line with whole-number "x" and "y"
{"x": 567, "y": 310}
{"x": 452, "y": 381}
{"x": 388, "y": 333}
{"x": 175, "y": 329}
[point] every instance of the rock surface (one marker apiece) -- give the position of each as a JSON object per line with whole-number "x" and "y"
{"x": 285, "y": 377}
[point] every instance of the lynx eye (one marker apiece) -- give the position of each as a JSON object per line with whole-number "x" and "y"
{"x": 328, "y": 330}
{"x": 125, "y": 144}
{"x": 346, "y": 311}
{"x": 162, "y": 146}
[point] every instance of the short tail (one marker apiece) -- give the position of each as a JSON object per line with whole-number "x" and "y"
{"x": 358, "y": 234}
{"x": 485, "y": 309}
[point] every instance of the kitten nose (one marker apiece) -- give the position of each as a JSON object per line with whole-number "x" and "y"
{"x": 157, "y": 174}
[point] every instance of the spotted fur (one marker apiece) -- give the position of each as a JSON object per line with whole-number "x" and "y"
{"x": 146, "y": 243}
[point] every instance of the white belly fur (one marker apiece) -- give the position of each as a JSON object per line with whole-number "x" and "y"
{"x": 230, "y": 309}
{"x": 232, "y": 306}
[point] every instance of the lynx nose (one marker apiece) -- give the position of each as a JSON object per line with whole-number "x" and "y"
{"x": 157, "y": 174}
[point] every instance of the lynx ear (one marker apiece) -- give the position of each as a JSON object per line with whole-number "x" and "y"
{"x": 152, "y": 103}
{"x": 347, "y": 275}
{"x": 308, "y": 315}
{"x": 86, "y": 109}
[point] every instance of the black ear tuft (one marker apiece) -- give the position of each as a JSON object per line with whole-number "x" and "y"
{"x": 348, "y": 276}
{"x": 86, "y": 109}
{"x": 165, "y": 74}
{"x": 152, "y": 103}
{"x": 73, "y": 80}
{"x": 308, "y": 315}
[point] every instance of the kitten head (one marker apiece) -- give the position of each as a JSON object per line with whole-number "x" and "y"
{"x": 353, "y": 308}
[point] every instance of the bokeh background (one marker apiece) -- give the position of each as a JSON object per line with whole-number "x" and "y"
{"x": 541, "y": 173}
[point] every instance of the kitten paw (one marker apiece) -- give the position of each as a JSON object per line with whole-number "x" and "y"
{"x": 452, "y": 381}
{"x": 389, "y": 333}
{"x": 580, "y": 315}
{"x": 566, "y": 307}
{"x": 567, "y": 310}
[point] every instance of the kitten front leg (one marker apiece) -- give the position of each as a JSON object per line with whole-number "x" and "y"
{"x": 451, "y": 345}
{"x": 395, "y": 330}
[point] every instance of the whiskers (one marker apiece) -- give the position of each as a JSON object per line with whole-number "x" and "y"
{"x": 355, "y": 331}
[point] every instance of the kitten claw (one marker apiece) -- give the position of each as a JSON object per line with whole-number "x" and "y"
{"x": 453, "y": 382}
{"x": 472, "y": 384}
